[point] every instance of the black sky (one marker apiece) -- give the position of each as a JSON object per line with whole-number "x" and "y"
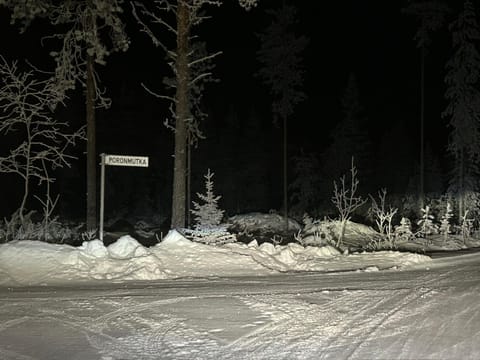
{"x": 372, "y": 39}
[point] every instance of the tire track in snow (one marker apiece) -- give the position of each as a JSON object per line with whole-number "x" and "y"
{"x": 146, "y": 334}
{"x": 341, "y": 312}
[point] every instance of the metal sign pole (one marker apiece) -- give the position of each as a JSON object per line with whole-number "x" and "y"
{"x": 115, "y": 160}
{"x": 102, "y": 194}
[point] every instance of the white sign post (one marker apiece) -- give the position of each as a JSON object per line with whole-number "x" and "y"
{"x": 115, "y": 160}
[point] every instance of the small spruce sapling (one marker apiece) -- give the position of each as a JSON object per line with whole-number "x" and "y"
{"x": 445, "y": 227}
{"x": 207, "y": 214}
{"x": 404, "y": 230}
{"x": 427, "y": 227}
{"x": 208, "y": 217}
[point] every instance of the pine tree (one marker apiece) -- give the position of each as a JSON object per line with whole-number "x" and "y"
{"x": 431, "y": 17}
{"x": 282, "y": 70}
{"x": 463, "y": 109}
{"x": 305, "y": 196}
{"x": 178, "y": 18}
{"x": 207, "y": 214}
{"x": 349, "y": 139}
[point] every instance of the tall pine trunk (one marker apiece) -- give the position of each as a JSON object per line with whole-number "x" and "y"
{"x": 422, "y": 127}
{"x": 461, "y": 185}
{"x": 285, "y": 172}
{"x": 182, "y": 112}
{"x": 91, "y": 148}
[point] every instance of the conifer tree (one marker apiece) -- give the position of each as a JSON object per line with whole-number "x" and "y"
{"x": 280, "y": 55}
{"x": 349, "y": 139}
{"x": 431, "y": 17}
{"x": 463, "y": 109}
{"x": 404, "y": 230}
{"x": 305, "y": 195}
{"x": 178, "y": 18}
{"x": 208, "y": 214}
{"x": 427, "y": 226}
{"x": 208, "y": 217}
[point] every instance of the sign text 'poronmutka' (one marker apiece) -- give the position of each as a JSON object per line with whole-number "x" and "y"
{"x": 124, "y": 160}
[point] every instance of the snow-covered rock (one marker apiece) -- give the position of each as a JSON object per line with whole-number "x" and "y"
{"x": 326, "y": 232}
{"x": 262, "y": 222}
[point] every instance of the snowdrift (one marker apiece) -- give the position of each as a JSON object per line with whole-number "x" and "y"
{"x": 37, "y": 263}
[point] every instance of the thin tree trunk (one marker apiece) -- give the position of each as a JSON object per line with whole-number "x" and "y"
{"x": 182, "y": 111}
{"x": 21, "y": 209}
{"x": 461, "y": 186}
{"x": 285, "y": 172}
{"x": 189, "y": 180}
{"x": 91, "y": 148}
{"x": 422, "y": 127}
{"x": 343, "y": 225}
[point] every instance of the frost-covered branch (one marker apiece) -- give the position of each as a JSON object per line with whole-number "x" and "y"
{"x": 346, "y": 200}
{"x": 383, "y": 216}
{"x": 27, "y": 107}
{"x": 151, "y": 92}
{"x": 163, "y": 15}
{"x": 86, "y": 26}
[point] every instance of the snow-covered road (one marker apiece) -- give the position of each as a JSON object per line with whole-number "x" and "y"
{"x": 420, "y": 313}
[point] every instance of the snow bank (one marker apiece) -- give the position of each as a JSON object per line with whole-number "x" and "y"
{"x": 38, "y": 263}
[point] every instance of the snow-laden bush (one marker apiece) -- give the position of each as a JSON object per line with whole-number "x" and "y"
{"x": 346, "y": 200}
{"x": 383, "y": 217}
{"x": 445, "y": 226}
{"x": 317, "y": 233}
{"x": 325, "y": 232}
{"x": 466, "y": 227}
{"x": 28, "y": 229}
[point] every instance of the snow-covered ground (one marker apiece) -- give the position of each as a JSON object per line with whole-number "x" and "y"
{"x": 38, "y": 263}
{"x": 184, "y": 300}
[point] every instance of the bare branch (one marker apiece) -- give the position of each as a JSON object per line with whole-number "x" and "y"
{"x": 157, "y": 95}
{"x": 205, "y": 58}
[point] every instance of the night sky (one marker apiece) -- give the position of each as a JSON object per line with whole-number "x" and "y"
{"x": 371, "y": 39}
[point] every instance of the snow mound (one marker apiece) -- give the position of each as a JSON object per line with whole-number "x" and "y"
{"x": 126, "y": 247}
{"x": 262, "y": 222}
{"x": 94, "y": 248}
{"x": 38, "y": 263}
{"x": 174, "y": 238}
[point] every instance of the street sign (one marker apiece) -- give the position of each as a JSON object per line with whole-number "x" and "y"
{"x": 115, "y": 160}
{"x": 125, "y": 160}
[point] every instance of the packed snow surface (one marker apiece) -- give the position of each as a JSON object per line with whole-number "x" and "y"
{"x": 38, "y": 263}
{"x": 234, "y": 301}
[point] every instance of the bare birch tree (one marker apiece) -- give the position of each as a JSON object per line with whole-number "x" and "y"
{"x": 27, "y": 107}
{"x": 191, "y": 69}
{"x": 86, "y": 25}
